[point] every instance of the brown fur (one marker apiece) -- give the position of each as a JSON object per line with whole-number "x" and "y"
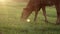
{"x": 36, "y": 5}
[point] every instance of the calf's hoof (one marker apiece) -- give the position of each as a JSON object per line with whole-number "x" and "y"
{"x": 57, "y": 23}
{"x": 46, "y": 21}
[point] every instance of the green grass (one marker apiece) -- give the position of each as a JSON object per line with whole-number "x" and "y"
{"x": 10, "y": 21}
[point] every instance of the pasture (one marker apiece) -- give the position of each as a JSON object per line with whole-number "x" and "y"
{"x": 10, "y": 21}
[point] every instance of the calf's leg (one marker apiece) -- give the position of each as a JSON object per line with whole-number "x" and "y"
{"x": 58, "y": 13}
{"x": 44, "y": 13}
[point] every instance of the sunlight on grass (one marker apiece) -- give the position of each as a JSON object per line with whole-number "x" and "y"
{"x": 10, "y": 21}
{"x": 3, "y": 1}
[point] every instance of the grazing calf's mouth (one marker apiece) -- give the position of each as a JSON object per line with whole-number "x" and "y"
{"x": 25, "y": 14}
{"x": 1, "y": 32}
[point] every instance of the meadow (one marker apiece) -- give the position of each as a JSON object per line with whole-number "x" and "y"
{"x": 10, "y": 20}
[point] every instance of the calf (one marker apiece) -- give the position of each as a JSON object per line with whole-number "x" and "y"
{"x": 36, "y": 5}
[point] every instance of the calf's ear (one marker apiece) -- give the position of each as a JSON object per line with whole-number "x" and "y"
{"x": 24, "y": 8}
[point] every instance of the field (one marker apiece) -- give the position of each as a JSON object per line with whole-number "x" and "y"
{"x": 10, "y": 21}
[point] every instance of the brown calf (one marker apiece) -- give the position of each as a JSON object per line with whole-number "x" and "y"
{"x": 35, "y": 5}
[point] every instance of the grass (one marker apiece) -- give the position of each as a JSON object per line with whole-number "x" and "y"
{"x": 10, "y": 21}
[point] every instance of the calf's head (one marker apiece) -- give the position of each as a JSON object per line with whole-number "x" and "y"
{"x": 25, "y": 14}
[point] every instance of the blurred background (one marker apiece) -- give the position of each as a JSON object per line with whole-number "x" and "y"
{"x": 10, "y": 12}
